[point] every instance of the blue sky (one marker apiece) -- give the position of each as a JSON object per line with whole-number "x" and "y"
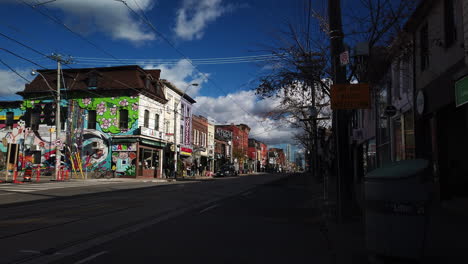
{"x": 199, "y": 29}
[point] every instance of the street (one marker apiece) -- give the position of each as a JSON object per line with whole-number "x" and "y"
{"x": 233, "y": 219}
{"x": 272, "y": 223}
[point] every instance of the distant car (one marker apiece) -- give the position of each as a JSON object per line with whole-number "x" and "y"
{"x": 226, "y": 170}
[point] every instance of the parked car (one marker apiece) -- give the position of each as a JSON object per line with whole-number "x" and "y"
{"x": 226, "y": 170}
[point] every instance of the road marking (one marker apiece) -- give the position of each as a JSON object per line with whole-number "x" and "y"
{"x": 91, "y": 257}
{"x": 247, "y": 193}
{"x": 208, "y": 208}
{"x": 30, "y": 251}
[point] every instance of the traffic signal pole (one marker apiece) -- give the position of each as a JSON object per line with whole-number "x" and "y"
{"x": 340, "y": 118}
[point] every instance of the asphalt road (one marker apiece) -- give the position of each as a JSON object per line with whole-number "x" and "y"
{"x": 46, "y": 230}
{"x": 272, "y": 223}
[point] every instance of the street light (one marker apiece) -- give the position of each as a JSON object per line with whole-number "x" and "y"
{"x": 175, "y": 126}
{"x": 58, "y": 154}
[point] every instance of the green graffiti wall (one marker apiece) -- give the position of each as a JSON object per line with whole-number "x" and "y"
{"x": 107, "y": 111}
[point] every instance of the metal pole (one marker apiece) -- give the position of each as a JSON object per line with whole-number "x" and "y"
{"x": 58, "y": 154}
{"x": 175, "y": 140}
{"x": 340, "y": 119}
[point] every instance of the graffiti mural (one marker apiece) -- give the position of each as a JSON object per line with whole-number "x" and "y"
{"x": 124, "y": 158}
{"x": 108, "y": 112}
{"x": 95, "y": 150}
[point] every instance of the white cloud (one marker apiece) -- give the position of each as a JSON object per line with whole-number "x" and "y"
{"x": 182, "y": 74}
{"x": 11, "y": 83}
{"x": 194, "y": 16}
{"x": 108, "y": 16}
{"x": 233, "y": 108}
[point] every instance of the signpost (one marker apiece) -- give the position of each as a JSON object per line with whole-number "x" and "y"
{"x": 350, "y": 96}
{"x": 390, "y": 110}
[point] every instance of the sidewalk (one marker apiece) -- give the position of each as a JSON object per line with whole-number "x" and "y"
{"x": 445, "y": 240}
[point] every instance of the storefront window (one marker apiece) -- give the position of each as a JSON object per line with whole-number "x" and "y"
{"x": 409, "y": 135}
{"x": 149, "y": 159}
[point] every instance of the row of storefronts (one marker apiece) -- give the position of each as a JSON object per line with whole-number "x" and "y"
{"x": 419, "y": 103}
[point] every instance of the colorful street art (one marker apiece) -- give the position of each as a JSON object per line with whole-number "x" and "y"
{"x": 107, "y": 112}
{"x": 93, "y": 145}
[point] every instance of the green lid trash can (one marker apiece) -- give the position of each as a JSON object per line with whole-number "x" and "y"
{"x": 397, "y": 198}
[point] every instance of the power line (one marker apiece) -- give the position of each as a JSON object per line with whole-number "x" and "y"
{"x": 13, "y": 70}
{"x": 23, "y": 58}
{"x": 61, "y": 23}
{"x": 146, "y": 21}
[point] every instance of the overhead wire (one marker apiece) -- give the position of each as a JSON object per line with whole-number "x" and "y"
{"x": 185, "y": 57}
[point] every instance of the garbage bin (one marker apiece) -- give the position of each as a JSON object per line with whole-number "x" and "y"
{"x": 397, "y": 199}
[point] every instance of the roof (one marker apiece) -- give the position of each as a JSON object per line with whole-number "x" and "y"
{"x": 172, "y": 86}
{"x": 10, "y": 104}
{"x": 130, "y": 78}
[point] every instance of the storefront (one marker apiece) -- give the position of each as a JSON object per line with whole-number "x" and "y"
{"x": 137, "y": 157}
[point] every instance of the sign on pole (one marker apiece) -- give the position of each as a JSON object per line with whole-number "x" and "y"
{"x": 350, "y": 96}
{"x": 344, "y": 58}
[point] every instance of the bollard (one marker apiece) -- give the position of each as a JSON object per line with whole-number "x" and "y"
{"x": 38, "y": 174}
{"x": 66, "y": 175}
{"x": 15, "y": 176}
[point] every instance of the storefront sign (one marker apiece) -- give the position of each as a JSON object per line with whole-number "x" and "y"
{"x": 187, "y": 132}
{"x": 461, "y": 91}
{"x": 145, "y": 131}
{"x": 350, "y": 96}
{"x": 222, "y": 134}
{"x": 186, "y": 151}
{"x": 124, "y": 147}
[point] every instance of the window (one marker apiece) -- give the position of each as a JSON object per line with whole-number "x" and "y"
{"x": 35, "y": 120}
{"x": 63, "y": 116}
{"x": 156, "y": 122}
{"x": 123, "y": 118}
{"x": 182, "y": 135}
{"x": 91, "y": 119}
{"x": 37, "y": 157}
{"x": 182, "y": 112}
{"x": 450, "y": 29}
{"x": 396, "y": 80}
{"x": 424, "y": 47}
{"x": 146, "y": 119}
{"x": 92, "y": 81}
{"x": 10, "y": 119}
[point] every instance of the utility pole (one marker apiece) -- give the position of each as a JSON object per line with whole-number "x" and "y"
{"x": 58, "y": 143}
{"x": 340, "y": 119}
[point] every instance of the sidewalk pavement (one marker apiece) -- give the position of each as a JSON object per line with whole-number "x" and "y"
{"x": 445, "y": 241}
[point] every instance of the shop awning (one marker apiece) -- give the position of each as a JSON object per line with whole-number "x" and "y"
{"x": 152, "y": 143}
{"x": 124, "y": 140}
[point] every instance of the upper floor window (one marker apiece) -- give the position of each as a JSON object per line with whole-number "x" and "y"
{"x": 123, "y": 118}
{"x": 10, "y": 119}
{"x": 424, "y": 47}
{"x": 450, "y": 29}
{"x": 92, "y": 81}
{"x": 91, "y": 119}
{"x": 182, "y": 112}
{"x": 146, "y": 119}
{"x": 156, "y": 122}
{"x": 35, "y": 120}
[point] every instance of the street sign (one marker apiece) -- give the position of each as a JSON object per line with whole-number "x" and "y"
{"x": 58, "y": 143}
{"x": 344, "y": 58}
{"x": 350, "y": 96}
{"x": 461, "y": 91}
{"x": 390, "y": 110}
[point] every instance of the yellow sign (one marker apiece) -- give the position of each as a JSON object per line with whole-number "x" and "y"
{"x": 350, "y": 96}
